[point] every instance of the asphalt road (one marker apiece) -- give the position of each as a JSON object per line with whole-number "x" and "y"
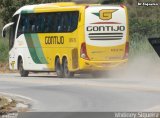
{"x": 49, "y": 93}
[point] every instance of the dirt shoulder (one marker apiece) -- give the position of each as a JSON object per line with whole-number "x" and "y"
{"x": 4, "y": 68}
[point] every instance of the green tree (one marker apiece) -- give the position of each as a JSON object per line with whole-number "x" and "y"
{"x": 8, "y": 7}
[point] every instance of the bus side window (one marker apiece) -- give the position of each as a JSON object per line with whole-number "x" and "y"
{"x": 53, "y": 22}
{"x": 39, "y": 25}
{"x": 74, "y": 20}
{"x": 48, "y": 23}
{"x": 69, "y": 22}
{"x": 26, "y": 24}
{"x": 23, "y": 25}
{"x": 62, "y": 25}
{"x": 32, "y": 23}
{"x": 56, "y": 22}
{"x": 66, "y": 22}
{"x": 59, "y": 22}
{"x": 42, "y": 23}
{"x": 63, "y": 22}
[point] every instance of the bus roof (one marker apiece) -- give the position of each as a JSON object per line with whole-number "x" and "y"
{"x": 48, "y": 6}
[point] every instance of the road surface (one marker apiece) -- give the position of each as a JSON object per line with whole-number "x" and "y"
{"x": 49, "y": 93}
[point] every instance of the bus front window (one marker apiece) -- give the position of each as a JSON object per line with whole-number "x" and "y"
{"x": 13, "y": 31}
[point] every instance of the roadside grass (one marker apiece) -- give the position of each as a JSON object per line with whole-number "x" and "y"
{"x": 140, "y": 47}
{"x": 4, "y": 47}
{"x": 4, "y": 50}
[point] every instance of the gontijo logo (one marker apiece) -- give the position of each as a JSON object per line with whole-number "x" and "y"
{"x": 105, "y": 14}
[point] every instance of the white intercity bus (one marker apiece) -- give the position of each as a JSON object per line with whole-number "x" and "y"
{"x": 68, "y": 38}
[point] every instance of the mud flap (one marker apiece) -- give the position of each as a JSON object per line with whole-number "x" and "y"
{"x": 155, "y": 42}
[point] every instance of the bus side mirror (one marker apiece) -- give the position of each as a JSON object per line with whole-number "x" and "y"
{"x": 4, "y": 33}
{"x": 5, "y": 28}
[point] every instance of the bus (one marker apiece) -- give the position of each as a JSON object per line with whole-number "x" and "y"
{"x": 68, "y": 38}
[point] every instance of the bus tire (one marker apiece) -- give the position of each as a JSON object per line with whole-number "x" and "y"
{"x": 59, "y": 69}
{"x": 67, "y": 73}
{"x": 22, "y": 72}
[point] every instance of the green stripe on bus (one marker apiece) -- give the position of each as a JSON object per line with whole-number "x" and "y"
{"x": 38, "y": 49}
{"x": 32, "y": 49}
{"x": 26, "y": 11}
{"x": 97, "y": 14}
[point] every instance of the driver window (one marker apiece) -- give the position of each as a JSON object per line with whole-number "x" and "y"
{"x": 13, "y": 31}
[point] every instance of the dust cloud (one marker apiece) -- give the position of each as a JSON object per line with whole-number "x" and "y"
{"x": 141, "y": 67}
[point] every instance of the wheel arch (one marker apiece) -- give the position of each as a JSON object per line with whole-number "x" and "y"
{"x": 56, "y": 57}
{"x": 18, "y": 60}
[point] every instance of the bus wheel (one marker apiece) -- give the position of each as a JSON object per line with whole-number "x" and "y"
{"x": 66, "y": 71}
{"x": 59, "y": 69}
{"x": 22, "y": 72}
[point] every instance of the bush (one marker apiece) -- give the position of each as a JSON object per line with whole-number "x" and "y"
{"x": 4, "y": 50}
{"x": 144, "y": 22}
